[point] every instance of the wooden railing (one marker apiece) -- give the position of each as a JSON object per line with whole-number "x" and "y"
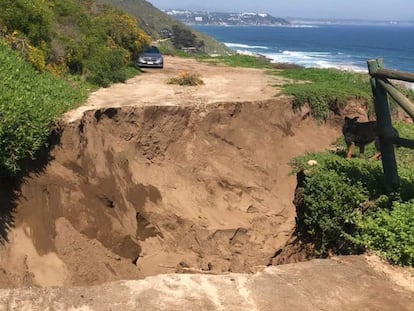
{"x": 381, "y": 88}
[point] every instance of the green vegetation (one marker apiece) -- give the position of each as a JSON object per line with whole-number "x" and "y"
{"x": 325, "y": 88}
{"x": 81, "y": 38}
{"x": 183, "y": 37}
{"x": 29, "y": 102}
{"x": 344, "y": 207}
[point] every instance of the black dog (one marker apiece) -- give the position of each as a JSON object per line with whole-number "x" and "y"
{"x": 360, "y": 134}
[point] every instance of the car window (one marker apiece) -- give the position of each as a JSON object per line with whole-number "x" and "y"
{"x": 152, "y": 49}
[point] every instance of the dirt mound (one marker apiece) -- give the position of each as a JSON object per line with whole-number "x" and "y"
{"x": 139, "y": 191}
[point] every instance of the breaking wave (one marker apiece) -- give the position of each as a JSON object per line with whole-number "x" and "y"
{"x": 244, "y": 46}
{"x": 316, "y": 59}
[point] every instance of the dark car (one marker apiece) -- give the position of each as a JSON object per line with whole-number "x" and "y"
{"x": 150, "y": 57}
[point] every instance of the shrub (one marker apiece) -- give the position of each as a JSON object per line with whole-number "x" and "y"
{"x": 71, "y": 35}
{"x": 32, "y": 18}
{"x": 29, "y": 102}
{"x": 390, "y": 232}
{"x": 183, "y": 37}
{"x": 36, "y": 57}
{"x": 122, "y": 30}
{"x": 331, "y": 204}
{"x": 343, "y": 207}
{"x": 106, "y": 66}
{"x": 186, "y": 78}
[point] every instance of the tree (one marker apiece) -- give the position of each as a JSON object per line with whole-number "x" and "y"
{"x": 182, "y": 37}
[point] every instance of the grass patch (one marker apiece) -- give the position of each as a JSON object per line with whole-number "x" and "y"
{"x": 239, "y": 60}
{"x": 322, "y": 88}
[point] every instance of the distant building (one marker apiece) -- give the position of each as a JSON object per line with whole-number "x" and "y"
{"x": 223, "y": 18}
{"x": 166, "y": 33}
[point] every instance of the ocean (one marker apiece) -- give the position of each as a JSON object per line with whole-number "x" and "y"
{"x": 345, "y": 47}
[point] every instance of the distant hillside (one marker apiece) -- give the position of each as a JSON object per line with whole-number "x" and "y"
{"x": 223, "y": 18}
{"x": 156, "y": 22}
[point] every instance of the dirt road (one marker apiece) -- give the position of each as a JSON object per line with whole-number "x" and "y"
{"x": 221, "y": 84}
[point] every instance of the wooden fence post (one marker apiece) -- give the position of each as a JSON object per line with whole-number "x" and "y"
{"x": 385, "y": 129}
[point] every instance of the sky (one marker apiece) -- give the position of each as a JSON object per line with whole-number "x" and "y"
{"x": 345, "y": 9}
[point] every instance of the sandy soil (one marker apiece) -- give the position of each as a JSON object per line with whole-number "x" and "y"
{"x": 221, "y": 84}
{"x": 149, "y": 178}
